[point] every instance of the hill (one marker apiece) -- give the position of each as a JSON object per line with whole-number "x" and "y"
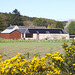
{"x": 14, "y": 18}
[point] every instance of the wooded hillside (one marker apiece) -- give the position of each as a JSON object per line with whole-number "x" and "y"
{"x": 15, "y": 18}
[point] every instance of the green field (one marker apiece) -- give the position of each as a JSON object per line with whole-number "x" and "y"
{"x": 10, "y": 49}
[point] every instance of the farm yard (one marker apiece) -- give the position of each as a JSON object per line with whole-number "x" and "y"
{"x": 10, "y": 48}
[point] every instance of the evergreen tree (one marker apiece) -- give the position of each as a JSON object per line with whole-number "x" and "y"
{"x": 16, "y": 18}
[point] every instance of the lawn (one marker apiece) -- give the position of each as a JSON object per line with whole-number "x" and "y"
{"x": 10, "y": 49}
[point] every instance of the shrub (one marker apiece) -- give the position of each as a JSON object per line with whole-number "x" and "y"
{"x": 51, "y": 64}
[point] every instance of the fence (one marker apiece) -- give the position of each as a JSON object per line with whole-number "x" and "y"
{"x": 7, "y": 40}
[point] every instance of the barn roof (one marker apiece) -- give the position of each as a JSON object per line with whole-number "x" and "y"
{"x": 21, "y": 27}
{"x": 42, "y": 31}
{"x": 22, "y": 30}
{"x": 40, "y": 27}
{"x": 46, "y": 31}
{"x": 11, "y": 27}
{"x": 8, "y": 31}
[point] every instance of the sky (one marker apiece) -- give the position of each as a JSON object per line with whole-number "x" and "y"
{"x": 59, "y": 10}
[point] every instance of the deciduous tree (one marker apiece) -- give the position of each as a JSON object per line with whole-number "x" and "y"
{"x": 49, "y": 26}
{"x": 59, "y": 25}
{"x": 1, "y": 25}
{"x": 28, "y": 24}
{"x": 71, "y": 28}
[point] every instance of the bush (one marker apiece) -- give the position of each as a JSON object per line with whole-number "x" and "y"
{"x": 55, "y": 64}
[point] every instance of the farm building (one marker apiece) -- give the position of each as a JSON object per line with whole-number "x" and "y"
{"x": 19, "y": 32}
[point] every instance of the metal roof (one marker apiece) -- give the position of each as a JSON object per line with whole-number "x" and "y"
{"x": 64, "y": 31}
{"x": 22, "y": 30}
{"x": 11, "y": 27}
{"x": 48, "y": 31}
{"x": 42, "y": 31}
{"x": 21, "y": 27}
{"x": 40, "y": 27}
{"x": 8, "y": 31}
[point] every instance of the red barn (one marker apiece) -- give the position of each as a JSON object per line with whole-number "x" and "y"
{"x": 13, "y": 32}
{"x": 13, "y": 35}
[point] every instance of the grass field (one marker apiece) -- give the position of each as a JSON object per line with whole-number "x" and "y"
{"x": 10, "y": 49}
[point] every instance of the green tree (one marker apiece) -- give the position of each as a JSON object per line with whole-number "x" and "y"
{"x": 16, "y": 12}
{"x": 71, "y": 28}
{"x": 1, "y": 25}
{"x": 59, "y": 25}
{"x": 37, "y": 21}
{"x": 44, "y": 23}
{"x": 16, "y": 18}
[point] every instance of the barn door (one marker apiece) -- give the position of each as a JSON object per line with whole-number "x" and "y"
{"x": 37, "y": 36}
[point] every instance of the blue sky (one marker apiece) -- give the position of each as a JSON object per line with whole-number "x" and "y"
{"x": 59, "y": 10}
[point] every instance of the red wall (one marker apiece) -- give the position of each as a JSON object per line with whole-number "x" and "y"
{"x": 14, "y": 35}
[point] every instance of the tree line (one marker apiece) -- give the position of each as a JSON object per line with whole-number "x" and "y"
{"x": 15, "y": 18}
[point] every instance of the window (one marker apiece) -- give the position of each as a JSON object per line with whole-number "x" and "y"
{"x": 29, "y": 35}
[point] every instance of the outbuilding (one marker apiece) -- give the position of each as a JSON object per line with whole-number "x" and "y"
{"x": 15, "y": 32}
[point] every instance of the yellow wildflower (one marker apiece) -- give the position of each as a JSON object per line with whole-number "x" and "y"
{"x": 70, "y": 73}
{"x": 0, "y": 56}
{"x": 74, "y": 65}
{"x": 7, "y": 70}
